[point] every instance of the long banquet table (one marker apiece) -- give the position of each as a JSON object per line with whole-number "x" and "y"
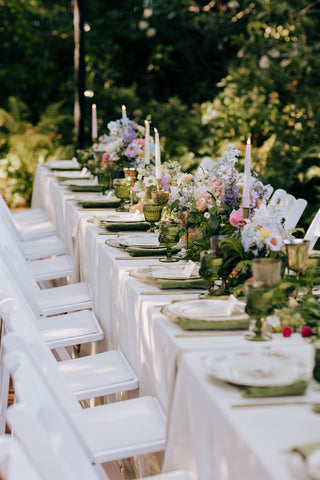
{"x": 205, "y": 434}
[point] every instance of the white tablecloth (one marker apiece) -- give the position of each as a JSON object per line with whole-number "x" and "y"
{"x": 204, "y": 433}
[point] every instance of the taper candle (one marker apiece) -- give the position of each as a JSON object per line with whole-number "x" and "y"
{"x": 147, "y": 143}
{"x": 94, "y": 122}
{"x": 157, "y": 154}
{"x": 124, "y": 112}
{"x": 247, "y": 175}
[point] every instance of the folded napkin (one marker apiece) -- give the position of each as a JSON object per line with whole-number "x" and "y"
{"x": 123, "y": 226}
{"x": 99, "y": 204}
{"x": 296, "y": 388}
{"x": 236, "y": 324}
{"x": 307, "y": 449}
{"x": 167, "y": 284}
{"x": 149, "y": 252}
{"x": 86, "y": 188}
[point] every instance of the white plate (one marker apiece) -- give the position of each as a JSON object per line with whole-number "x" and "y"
{"x": 121, "y": 217}
{"x": 63, "y": 164}
{"x": 166, "y": 272}
{"x": 143, "y": 240}
{"x": 265, "y": 368}
{"x": 80, "y": 182}
{"x": 206, "y": 309}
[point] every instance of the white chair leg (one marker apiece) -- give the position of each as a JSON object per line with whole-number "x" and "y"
{"x": 4, "y": 398}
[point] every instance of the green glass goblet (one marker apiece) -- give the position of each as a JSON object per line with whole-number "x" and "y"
{"x": 259, "y": 306}
{"x": 122, "y": 189}
{"x": 152, "y": 214}
{"x": 210, "y": 267}
{"x": 169, "y": 235}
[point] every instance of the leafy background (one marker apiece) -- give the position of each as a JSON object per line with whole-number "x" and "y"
{"x": 205, "y": 72}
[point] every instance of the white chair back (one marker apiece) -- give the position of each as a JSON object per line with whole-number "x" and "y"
{"x": 295, "y": 213}
{"x": 14, "y": 463}
{"x": 313, "y": 232}
{"x": 21, "y": 278}
{"x": 5, "y": 215}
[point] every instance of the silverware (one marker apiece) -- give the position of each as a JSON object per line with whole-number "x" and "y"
{"x": 274, "y": 404}
{"x": 173, "y": 292}
{"x": 206, "y": 334}
{"x": 108, "y": 233}
{"x": 137, "y": 258}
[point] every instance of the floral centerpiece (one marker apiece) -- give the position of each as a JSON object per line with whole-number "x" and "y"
{"x": 211, "y": 196}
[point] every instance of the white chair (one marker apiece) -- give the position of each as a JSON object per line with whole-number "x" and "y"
{"x": 36, "y": 248}
{"x": 313, "y": 232}
{"x": 58, "y": 331}
{"x": 43, "y": 269}
{"x": 14, "y": 463}
{"x": 27, "y": 232}
{"x": 106, "y": 432}
{"x": 87, "y": 377}
{"x": 295, "y": 213}
{"x": 29, "y": 216}
{"x": 50, "y": 457}
{"x": 51, "y": 301}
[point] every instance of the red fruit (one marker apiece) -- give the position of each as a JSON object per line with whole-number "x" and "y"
{"x": 286, "y": 332}
{"x": 306, "y": 331}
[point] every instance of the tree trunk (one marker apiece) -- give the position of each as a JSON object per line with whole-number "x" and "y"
{"x": 79, "y": 71}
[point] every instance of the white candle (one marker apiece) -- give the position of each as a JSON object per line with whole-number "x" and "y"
{"x": 124, "y": 112}
{"x": 157, "y": 154}
{"x": 147, "y": 142}
{"x": 247, "y": 175}
{"x": 94, "y": 122}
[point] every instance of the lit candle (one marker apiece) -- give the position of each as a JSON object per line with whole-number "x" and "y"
{"x": 157, "y": 154}
{"x": 94, "y": 122}
{"x": 124, "y": 112}
{"x": 247, "y": 175}
{"x": 147, "y": 142}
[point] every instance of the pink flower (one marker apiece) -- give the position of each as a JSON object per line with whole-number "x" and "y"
{"x": 236, "y": 218}
{"x": 286, "y": 332}
{"x": 105, "y": 158}
{"x": 139, "y": 141}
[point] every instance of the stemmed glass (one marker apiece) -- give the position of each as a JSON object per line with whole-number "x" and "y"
{"x": 122, "y": 190}
{"x": 169, "y": 235}
{"x": 298, "y": 254}
{"x": 152, "y": 214}
{"x": 259, "y": 306}
{"x": 210, "y": 267}
{"x": 266, "y": 274}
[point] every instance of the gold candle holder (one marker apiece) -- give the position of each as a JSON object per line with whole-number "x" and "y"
{"x": 160, "y": 196}
{"x": 245, "y": 212}
{"x": 158, "y": 180}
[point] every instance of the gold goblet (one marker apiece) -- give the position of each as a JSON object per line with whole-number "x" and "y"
{"x": 152, "y": 214}
{"x": 169, "y": 236}
{"x": 298, "y": 254}
{"x": 122, "y": 188}
{"x": 267, "y": 271}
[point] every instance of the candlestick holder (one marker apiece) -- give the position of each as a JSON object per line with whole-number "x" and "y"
{"x": 245, "y": 212}
{"x": 94, "y": 139}
{"x": 158, "y": 180}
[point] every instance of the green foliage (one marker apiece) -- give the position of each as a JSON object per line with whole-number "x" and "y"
{"x": 23, "y": 145}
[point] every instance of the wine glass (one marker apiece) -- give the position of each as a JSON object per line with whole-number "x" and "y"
{"x": 210, "y": 266}
{"x": 298, "y": 254}
{"x": 169, "y": 235}
{"x": 259, "y": 305}
{"x": 152, "y": 214}
{"x": 122, "y": 190}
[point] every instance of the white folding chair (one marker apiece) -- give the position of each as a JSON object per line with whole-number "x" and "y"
{"x": 56, "y": 459}
{"x": 26, "y": 232}
{"x": 58, "y": 331}
{"x": 36, "y": 248}
{"x": 14, "y": 463}
{"x": 87, "y": 377}
{"x": 51, "y": 301}
{"x": 107, "y": 432}
{"x": 43, "y": 269}
{"x": 29, "y": 216}
{"x": 313, "y": 232}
